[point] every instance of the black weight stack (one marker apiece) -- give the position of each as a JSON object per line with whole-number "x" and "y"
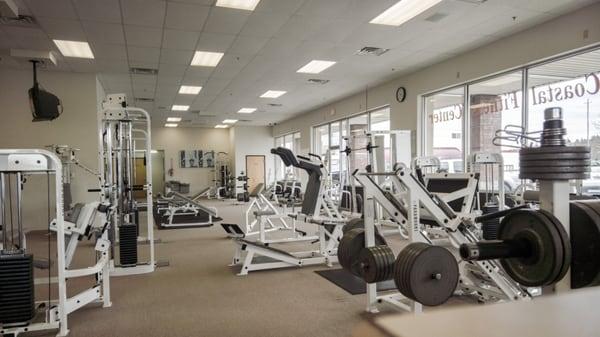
{"x": 490, "y": 227}
{"x": 128, "y": 254}
{"x": 17, "y": 298}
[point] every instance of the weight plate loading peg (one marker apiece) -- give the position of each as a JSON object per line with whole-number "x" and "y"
{"x": 426, "y": 274}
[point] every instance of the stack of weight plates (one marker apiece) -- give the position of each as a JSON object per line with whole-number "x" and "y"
{"x": 555, "y": 162}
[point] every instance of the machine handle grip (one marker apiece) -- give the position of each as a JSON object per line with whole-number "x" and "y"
{"x": 498, "y": 214}
{"x": 315, "y": 155}
{"x": 93, "y": 190}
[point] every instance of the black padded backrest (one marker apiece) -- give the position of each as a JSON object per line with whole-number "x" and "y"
{"x": 286, "y": 155}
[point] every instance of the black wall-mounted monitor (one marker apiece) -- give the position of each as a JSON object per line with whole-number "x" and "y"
{"x": 44, "y": 105}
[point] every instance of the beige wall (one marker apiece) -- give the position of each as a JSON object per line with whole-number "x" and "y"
{"x": 253, "y": 140}
{"x": 78, "y": 93}
{"x": 173, "y": 140}
{"x": 554, "y": 37}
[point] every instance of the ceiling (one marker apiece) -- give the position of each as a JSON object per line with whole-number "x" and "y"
{"x": 263, "y": 48}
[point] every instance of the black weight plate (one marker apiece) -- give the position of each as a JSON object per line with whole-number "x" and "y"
{"x": 426, "y": 288}
{"x": 554, "y": 176}
{"x": 546, "y": 261}
{"x": 555, "y": 163}
{"x": 353, "y": 223}
{"x": 585, "y": 243}
{"x": 555, "y": 169}
{"x": 376, "y": 263}
{"x": 566, "y": 245}
{"x": 411, "y": 255}
{"x": 350, "y": 247}
{"x": 554, "y": 149}
{"x": 556, "y": 156}
{"x": 402, "y": 265}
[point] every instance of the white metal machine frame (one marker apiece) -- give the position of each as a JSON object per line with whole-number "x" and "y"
{"x": 180, "y": 205}
{"x": 30, "y": 162}
{"x": 410, "y": 208}
{"x": 118, "y": 122}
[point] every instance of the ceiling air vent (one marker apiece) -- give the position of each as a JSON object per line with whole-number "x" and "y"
{"x": 19, "y": 21}
{"x": 143, "y": 71}
{"x": 317, "y": 81}
{"x": 275, "y": 104}
{"x": 436, "y": 17}
{"x": 478, "y": 2}
{"x": 144, "y": 99}
{"x": 372, "y": 51}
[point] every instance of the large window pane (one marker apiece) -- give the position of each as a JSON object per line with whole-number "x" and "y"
{"x": 321, "y": 140}
{"x": 495, "y": 104}
{"x": 574, "y": 85}
{"x": 380, "y": 121}
{"x": 358, "y": 127}
{"x": 444, "y": 128}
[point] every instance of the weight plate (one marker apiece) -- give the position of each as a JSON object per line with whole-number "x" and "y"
{"x": 585, "y": 243}
{"x": 376, "y": 263}
{"x": 555, "y": 169}
{"x": 554, "y": 149}
{"x": 555, "y": 163}
{"x": 426, "y": 274}
{"x": 353, "y": 223}
{"x": 554, "y": 176}
{"x": 350, "y": 247}
{"x": 556, "y": 156}
{"x": 545, "y": 263}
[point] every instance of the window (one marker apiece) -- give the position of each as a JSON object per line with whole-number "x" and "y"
{"x": 330, "y": 140}
{"x": 572, "y": 83}
{"x": 290, "y": 141}
{"x": 444, "y": 112}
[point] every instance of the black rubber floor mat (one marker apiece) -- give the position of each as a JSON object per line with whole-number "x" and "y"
{"x": 352, "y": 284}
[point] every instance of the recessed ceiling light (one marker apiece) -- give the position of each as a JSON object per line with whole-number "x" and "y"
{"x": 74, "y": 49}
{"x": 247, "y": 5}
{"x": 221, "y": 126}
{"x": 206, "y": 59}
{"x": 189, "y": 90}
{"x": 273, "y": 94}
{"x": 174, "y": 119}
{"x": 246, "y": 110}
{"x": 229, "y": 121}
{"x": 171, "y": 125}
{"x": 180, "y": 107}
{"x": 403, "y": 11}
{"x": 315, "y": 67}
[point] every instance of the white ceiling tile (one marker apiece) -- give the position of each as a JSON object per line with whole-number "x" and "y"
{"x": 29, "y": 38}
{"x": 180, "y": 39}
{"x": 167, "y": 80}
{"x": 264, "y": 25}
{"x": 186, "y": 16}
{"x": 103, "y": 11}
{"x": 215, "y": 86}
{"x": 147, "y": 80}
{"x": 143, "y": 36}
{"x": 60, "y": 9}
{"x": 247, "y": 45}
{"x": 109, "y": 51}
{"x": 143, "y": 54}
{"x": 171, "y": 69}
{"x": 140, "y": 64}
{"x": 104, "y": 32}
{"x": 279, "y": 6}
{"x": 112, "y": 65}
{"x": 63, "y": 29}
{"x": 143, "y": 12}
{"x": 80, "y": 65}
{"x": 197, "y": 74}
{"x": 328, "y": 9}
{"x": 174, "y": 56}
{"x": 226, "y": 21}
{"x": 215, "y": 42}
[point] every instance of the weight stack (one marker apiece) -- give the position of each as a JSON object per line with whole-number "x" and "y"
{"x": 490, "y": 227}
{"x": 17, "y": 298}
{"x": 128, "y": 254}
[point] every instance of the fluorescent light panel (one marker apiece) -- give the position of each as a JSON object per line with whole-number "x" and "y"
{"x": 229, "y": 121}
{"x": 174, "y": 119}
{"x": 315, "y": 66}
{"x": 246, "y": 110}
{"x": 273, "y": 93}
{"x": 221, "y": 126}
{"x": 247, "y": 5}
{"x": 74, "y": 49}
{"x": 206, "y": 59}
{"x": 180, "y": 107}
{"x": 189, "y": 90}
{"x": 171, "y": 125}
{"x": 403, "y": 11}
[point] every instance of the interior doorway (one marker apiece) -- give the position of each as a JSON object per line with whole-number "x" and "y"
{"x": 158, "y": 173}
{"x": 255, "y": 170}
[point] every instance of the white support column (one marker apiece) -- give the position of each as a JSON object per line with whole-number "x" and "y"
{"x": 554, "y": 198}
